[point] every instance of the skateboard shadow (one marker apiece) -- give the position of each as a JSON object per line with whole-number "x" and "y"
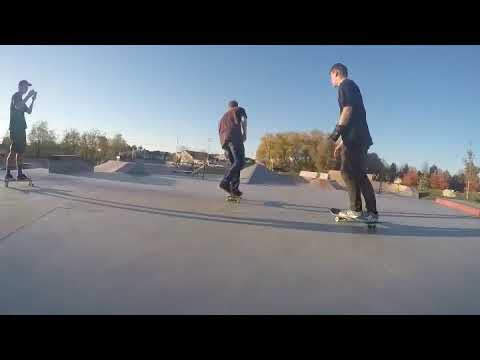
{"x": 383, "y": 229}
{"x": 383, "y": 214}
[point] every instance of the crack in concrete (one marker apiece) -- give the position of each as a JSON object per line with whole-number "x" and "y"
{"x": 32, "y": 222}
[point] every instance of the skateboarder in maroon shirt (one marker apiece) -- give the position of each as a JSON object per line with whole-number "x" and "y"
{"x": 232, "y": 130}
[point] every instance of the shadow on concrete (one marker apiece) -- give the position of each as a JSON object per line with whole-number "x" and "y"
{"x": 397, "y": 214}
{"x": 383, "y": 229}
{"x": 337, "y": 186}
{"x": 134, "y": 179}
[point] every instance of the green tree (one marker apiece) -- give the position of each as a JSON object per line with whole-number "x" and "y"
{"x": 118, "y": 145}
{"x": 42, "y": 140}
{"x": 71, "y": 142}
{"x": 88, "y": 145}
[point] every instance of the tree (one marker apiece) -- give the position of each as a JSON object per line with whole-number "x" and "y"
{"x": 433, "y": 169}
{"x": 71, "y": 142}
{"x": 88, "y": 145}
{"x": 410, "y": 178}
{"x": 323, "y": 153}
{"x": 438, "y": 180}
{"x": 425, "y": 169}
{"x": 423, "y": 182}
{"x": 6, "y": 142}
{"x": 118, "y": 145}
{"x": 41, "y": 138}
{"x": 457, "y": 182}
{"x": 471, "y": 172}
{"x": 403, "y": 170}
{"x": 447, "y": 177}
{"x": 392, "y": 174}
{"x": 375, "y": 165}
{"x": 265, "y": 151}
{"x": 103, "y": 148}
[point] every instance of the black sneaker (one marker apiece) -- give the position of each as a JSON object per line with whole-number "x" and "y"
{"x": 225, "y": 187}
{"x": 9, "y": 177}
{"x": 22, "y": 177}
{"x": 237, "y": 193}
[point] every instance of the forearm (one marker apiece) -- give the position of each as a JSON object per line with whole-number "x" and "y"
{"x": 345, "y": 116}
{"x": 244, "y": 127}
{"x": 26, "y": 98}
{"x": 343, "y": 121}
{"x": 30, "y": 108}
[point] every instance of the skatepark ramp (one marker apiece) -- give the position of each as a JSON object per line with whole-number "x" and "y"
{"x": 68, "y": 164}
{"x": 114, "y": 166}
{"x": 259, "y": 174}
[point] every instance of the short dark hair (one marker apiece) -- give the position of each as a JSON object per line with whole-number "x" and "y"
{"x": 233, "y": 103}
{"x": 342, "y": 69}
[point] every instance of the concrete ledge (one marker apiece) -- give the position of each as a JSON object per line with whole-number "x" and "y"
{"x": 308, "y": 175}
{"x": 460, "y": 207}
{"x": 68, "y": 164}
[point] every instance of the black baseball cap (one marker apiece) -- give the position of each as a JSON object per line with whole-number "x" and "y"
{"x": 24, "y": 82}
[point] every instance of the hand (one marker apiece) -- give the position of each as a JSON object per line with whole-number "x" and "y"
{"x": 337, "y": 150}
{"x": 31, "y": 93}
{"x": 34, "y": 97}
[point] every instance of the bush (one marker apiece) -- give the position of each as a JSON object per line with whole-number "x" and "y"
{"x": 439, "y": 181}
{"x": 410, "y": 178}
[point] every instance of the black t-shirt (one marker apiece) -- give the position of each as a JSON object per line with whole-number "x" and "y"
{"x": 229, "y": 128}
{"x": 17, "y": 117}
{"x": 356, "y": 133}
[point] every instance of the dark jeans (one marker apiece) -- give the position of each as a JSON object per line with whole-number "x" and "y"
{"x": 236, "y": 155}
{"x": 354, "y": 174}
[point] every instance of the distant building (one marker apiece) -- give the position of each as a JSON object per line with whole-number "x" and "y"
{"x": 192, "y": 157}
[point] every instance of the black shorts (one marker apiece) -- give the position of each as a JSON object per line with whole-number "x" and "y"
{"x": 19, "y": 141}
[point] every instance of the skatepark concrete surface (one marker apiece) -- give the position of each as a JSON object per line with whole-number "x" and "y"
{"x": 162, "y": 244}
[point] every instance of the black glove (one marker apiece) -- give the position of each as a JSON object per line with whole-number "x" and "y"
{"x": 339, "y": 129}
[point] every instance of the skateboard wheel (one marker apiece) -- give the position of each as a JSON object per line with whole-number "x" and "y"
{"x": 337, "y": 219}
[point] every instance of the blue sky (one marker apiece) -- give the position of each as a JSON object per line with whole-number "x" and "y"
{"x": 421, "y": 101}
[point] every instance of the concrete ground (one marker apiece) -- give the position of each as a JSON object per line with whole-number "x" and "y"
{"x": 117, "y": 244}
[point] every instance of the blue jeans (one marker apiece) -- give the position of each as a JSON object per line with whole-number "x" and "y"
{"x": 236, "y": 155}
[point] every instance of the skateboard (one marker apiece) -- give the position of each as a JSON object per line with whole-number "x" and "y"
{"x": 232, "y": 198}
{"x": 335, "y": 212}
{"x": 30, "y": 181}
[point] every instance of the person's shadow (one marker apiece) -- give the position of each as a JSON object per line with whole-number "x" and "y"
{"x": 383, "y": 229}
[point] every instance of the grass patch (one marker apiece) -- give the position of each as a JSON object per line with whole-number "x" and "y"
{"x": 435, "y": 193}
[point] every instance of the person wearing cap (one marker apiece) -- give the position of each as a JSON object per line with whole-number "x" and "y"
{"x": 18, "y": 126}
{"x": 232, "y": 130}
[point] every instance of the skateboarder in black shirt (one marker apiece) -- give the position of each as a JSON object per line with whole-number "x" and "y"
{"x": 18, "y": 108}
{"x": 353, "y": 141}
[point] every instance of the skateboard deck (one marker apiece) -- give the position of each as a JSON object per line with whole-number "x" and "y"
{"x": 29, "y": 181}
{"x": 231, "y": 198}
{"x": 335, "y": 212}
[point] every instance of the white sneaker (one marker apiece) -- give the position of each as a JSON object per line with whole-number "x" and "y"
{"x": 350, "y": 214}
{"x": 370, "y": 217}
